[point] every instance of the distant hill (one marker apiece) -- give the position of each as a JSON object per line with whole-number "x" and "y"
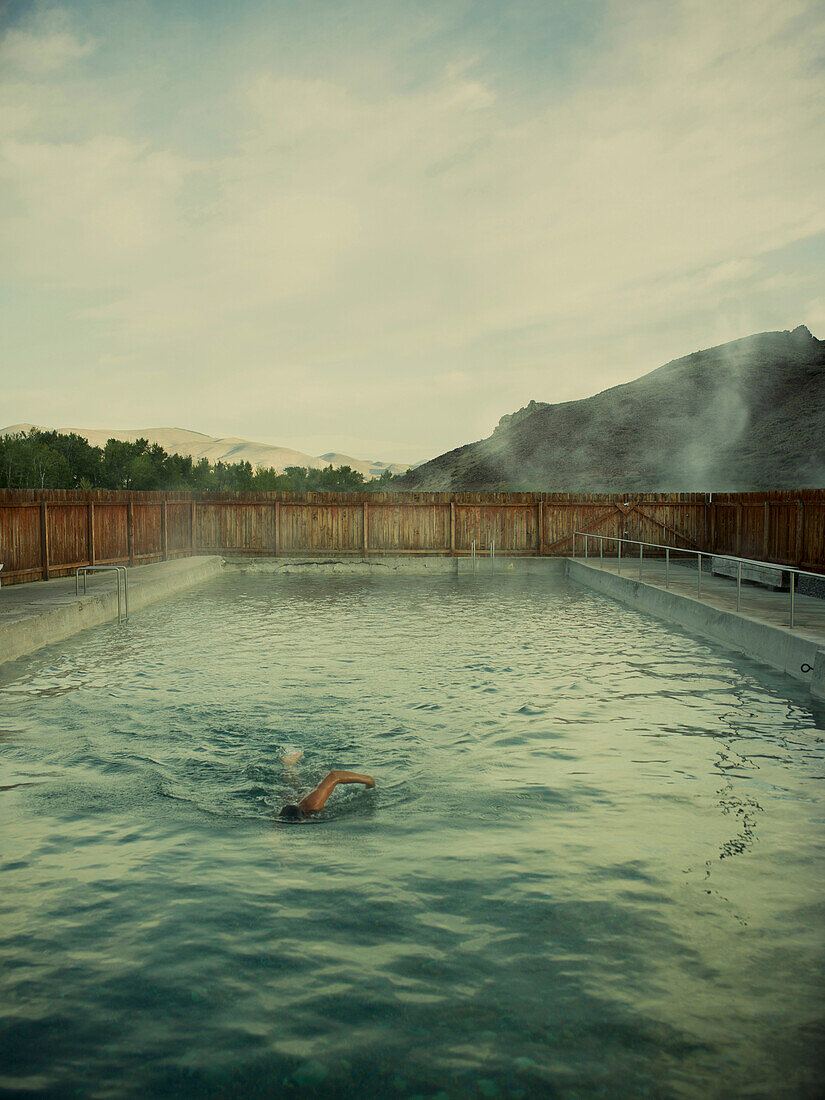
{"x": 746, "y": 415}
{"x": 183, "y": 442}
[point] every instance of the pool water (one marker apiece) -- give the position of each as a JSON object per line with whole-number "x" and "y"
{"x": 592, "y": 865}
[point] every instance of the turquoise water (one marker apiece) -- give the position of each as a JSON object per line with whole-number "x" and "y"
{"x": 592, "y": 865}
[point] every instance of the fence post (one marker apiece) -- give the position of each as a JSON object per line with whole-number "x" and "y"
{"x": 191, "y": 528}
{"x": 452, "y": 528}
{"x": 739, "y": 530}
{"x": 130, "y": 532}
{"x": 766, "y": 533}
{"x": 365, "y": 521}
{"x": 540, "y": 522}
{"x": 90, "y": 532}
{"x": 44, "y": 539}
{"x": 277, "y": 531}
{"x": 164, "y": 535}
{"x": 799, "y": 545}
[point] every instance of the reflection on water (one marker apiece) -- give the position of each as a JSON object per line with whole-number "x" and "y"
{"x": 592, "y": 865}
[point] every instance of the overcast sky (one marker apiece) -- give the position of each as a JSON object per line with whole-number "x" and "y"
{"x": 376, "y": 227}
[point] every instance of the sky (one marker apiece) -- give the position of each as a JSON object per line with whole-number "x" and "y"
{"x": 377, "y": 226}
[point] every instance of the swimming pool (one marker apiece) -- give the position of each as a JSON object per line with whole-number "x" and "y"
{"x": 592, "y": 865}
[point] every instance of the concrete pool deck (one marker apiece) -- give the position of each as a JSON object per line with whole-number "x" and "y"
{"x": 41, "y": 612}
{"x": 760, "y": 629}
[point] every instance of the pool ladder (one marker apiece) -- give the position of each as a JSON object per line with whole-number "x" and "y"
{"x": 122, "y": 607}
{"x": 492, "y": 555}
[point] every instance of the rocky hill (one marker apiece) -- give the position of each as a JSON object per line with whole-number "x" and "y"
{"x": 746, "y": 415}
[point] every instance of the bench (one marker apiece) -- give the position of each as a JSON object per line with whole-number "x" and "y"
{"x": 768, "y": 576}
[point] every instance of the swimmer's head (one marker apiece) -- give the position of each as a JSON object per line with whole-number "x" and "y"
{"x": 292, "y": 813}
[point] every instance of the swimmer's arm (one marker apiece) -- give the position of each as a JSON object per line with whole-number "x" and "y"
{"x": 318, "y": 797}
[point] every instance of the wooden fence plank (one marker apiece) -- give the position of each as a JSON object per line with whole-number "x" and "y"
{"x": 90, "y": 536}
{"x": 44, "y": 540}
{"x": 47, "y": 533}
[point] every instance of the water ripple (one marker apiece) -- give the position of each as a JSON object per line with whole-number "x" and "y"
{"x": 606, "y": 881}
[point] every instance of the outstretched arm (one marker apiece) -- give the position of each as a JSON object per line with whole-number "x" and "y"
{"x": 318, "y": 797}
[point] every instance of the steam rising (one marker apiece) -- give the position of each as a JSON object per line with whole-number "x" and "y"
{"x": 745, "y": 415}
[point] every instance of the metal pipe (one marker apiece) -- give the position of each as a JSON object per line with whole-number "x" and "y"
{"x": 739, "y": 586}
{"x": 729, "y": 557}
{"x": 794, "y": 573}
{"x": 793, "y": 592}
{"x": 122, "y": 601}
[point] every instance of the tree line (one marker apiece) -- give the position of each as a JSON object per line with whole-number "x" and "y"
{"x": 38, "y": 459}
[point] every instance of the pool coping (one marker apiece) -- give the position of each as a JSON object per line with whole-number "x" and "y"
{"x": 43, "y": 612}
{"x": 782, "y": 648}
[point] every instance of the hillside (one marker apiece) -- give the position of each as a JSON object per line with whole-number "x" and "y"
{"x": 229, "y": 450}
{"x": 749, "y": 414}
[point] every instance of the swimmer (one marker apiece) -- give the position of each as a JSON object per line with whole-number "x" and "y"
{"x": 317, "y": 798}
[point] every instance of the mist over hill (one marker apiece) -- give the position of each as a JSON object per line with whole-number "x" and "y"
{"x": 745, "y": 415}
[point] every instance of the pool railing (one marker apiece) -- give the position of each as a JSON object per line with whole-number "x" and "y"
{"x": 620, "y": 541}
{"x": 122, "y": 608}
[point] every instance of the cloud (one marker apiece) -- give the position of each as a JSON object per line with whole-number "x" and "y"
{"x": 100, "y": 205}
{"x": 485, "y": 247}
{"x": 44, "y": 48}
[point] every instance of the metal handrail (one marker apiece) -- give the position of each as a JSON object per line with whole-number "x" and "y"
{"x": 792, "y": 570}
{"x": 85, "y": 569}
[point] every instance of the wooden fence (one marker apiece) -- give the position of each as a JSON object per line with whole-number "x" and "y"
{"x": 47, "y": 534}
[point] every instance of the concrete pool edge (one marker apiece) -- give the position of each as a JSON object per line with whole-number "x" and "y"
{"x": 384, "y": 564}
{"x": 54, "y": 613}
{"x": 780, "y": 647}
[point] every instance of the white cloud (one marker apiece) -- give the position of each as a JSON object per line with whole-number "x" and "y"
{"x": 44, "y": 48}
{"x": 422, "y": 231}
{"x": 814, "y": 316}
{"x": 89, "y": 210}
